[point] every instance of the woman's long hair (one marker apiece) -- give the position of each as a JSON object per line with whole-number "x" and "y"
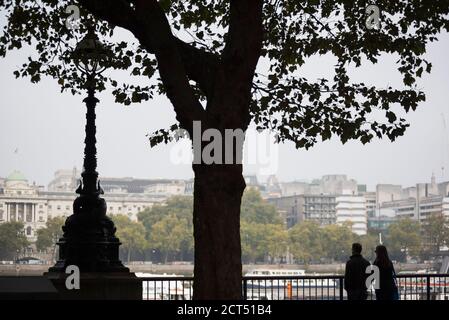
{"x": 382, "y": 259}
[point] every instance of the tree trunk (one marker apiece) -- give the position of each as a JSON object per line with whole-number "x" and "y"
{"x": 129, "y": 254}
{"x": 218, "y": 191}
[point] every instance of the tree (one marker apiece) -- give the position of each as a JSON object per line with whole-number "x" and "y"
{"x": 178, "y": 206}
{"x": 256, "y": 210}
{"x": 306, "y": 242}
{"x": 130, "y": 233}
{"x": 276, "y": 239}
{"x": 48, "y": 236}
{"x": 251, "y": 234}
{"x": 404, "y": 237}
{"x": 262, "y": 241}
{"x": 337, "y": 241}
{"x": 12, "y": 240}
{"x": 435, "y": 232}
{"x": 206, "y": 53}
{"x": 170, "y": 235}
{"x": 369, "y": 242}
{"x": 262, "y": 232}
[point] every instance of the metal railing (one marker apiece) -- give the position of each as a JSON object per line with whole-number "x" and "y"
{"x": 313, "y": 287}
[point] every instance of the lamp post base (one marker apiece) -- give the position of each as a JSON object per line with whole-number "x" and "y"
{"x": 98, "y": 286}
{"x": 89, "y": 240}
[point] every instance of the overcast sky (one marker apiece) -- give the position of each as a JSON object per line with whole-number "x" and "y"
{"x": 42, "y": 130}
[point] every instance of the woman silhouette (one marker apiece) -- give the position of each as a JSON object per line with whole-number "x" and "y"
{"x": 387, "y": 284}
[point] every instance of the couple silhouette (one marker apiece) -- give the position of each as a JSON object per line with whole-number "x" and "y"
{"x": 355, "y": 282}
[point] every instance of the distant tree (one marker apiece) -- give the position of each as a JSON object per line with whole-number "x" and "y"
{"x": 337, "y": 241}
{"x": 130, "y": 233}
{"x": 257, "y": 210}
{"x": 12, "y": 240}
{"x": 435, "y": 232}
{"x": 49, "y": 235}
{"x": 404, "y": 237}
{"x": 369, "y": 243}
{"x": 170, "y": 235}
{"x": 262, "y": 231}
{"x": 306, "y": 241}
{"x": 252, "y": 236}
{"x": 178, "y": 206}
{"x": 204, "y": 56}
{"x": 276, "y": 238}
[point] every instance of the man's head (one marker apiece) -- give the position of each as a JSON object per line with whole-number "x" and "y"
{"x": 356, "y": 248}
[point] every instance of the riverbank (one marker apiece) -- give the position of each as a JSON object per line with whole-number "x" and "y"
{"x": 187, "y": 269}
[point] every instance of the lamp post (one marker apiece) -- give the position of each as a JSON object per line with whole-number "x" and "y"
{"x": 89, "y": 240}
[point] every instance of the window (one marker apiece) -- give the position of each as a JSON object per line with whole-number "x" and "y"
{"x": 29, "y": 231}
{"x": 58, "y": 207}
{"x": 67, "y": 207}
{"x": 29, "y": 216}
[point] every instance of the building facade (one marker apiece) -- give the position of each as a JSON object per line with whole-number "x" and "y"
{"x": 34, "y": 206}
{"x": 323, "y": 209}
{"x": 352, "y": 210}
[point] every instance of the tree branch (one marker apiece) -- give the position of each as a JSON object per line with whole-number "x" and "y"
{"x": 238, "y": 64}
{"x": 178, "y": 61}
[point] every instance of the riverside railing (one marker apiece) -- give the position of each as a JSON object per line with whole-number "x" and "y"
{"x": 310, "y": 287}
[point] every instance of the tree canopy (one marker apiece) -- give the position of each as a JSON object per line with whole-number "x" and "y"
{"x": 404, "y": 238}
{"x": 168, "y": 228}
{"x": 50, "y": 234}
{"x": 12, "y": 240}
{"x": 205, "y": 32}
{"x": 130, "y": 233}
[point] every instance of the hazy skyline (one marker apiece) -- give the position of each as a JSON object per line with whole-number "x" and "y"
{"x": 46, "y": 128}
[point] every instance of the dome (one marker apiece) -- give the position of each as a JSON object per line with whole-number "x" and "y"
{"x": 16, "y": 176}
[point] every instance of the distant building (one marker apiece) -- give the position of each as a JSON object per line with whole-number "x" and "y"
{"x": 418, "y": 209}
{"x": 68, "y": 180}
{"x": 352, "y": 209}
{"x": 335, "y": 184}
{"x": 388, "y": 192}
{"x": 289, "y": 208}
{"x": 320, "y": 208}
{"x": 324, "y": 209}
{"x": 338, "y": 184}
{"x": 371, "y": 204}
{"x": 294, "y": 188}
{"x": 32, "y": 205}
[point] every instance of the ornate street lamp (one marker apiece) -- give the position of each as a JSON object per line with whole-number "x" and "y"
{"x": 89, "y": 240}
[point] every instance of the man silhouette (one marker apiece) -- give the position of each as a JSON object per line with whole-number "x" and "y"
{"x": 355, "y": 275}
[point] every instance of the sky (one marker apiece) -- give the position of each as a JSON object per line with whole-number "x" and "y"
{"x": 42, "y": 130}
